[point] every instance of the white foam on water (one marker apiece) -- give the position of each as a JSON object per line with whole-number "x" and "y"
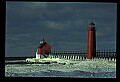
{"x": 93, "y": 66}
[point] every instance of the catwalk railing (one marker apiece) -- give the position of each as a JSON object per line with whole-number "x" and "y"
{"x": 76, "y": 55}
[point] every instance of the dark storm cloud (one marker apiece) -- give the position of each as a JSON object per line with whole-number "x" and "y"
{"x": 28, "y": 22}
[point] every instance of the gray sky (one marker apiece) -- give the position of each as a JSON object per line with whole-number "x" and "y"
{"x": 28, "y": 22}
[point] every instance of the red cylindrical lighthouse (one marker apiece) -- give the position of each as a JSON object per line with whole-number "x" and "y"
{"x": 91, "y": 46}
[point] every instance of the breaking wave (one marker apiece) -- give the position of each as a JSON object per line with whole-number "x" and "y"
{"x": 81, "y": 69}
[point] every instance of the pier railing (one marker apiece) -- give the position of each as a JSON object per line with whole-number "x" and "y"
{"x": 76, "y": 55}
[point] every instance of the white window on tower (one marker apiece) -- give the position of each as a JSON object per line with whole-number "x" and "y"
{"x": 41, "y": 42}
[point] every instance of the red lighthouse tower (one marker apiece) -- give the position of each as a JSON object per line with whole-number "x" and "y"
{"x": 91, "y": 46}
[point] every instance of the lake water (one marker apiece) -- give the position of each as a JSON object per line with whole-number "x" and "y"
{"x": 78, "y": 69}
